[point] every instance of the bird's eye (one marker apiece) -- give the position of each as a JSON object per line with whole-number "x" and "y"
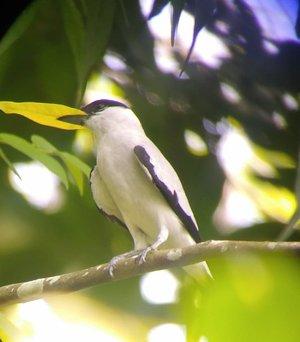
{"x": 97, "y": 109}
{"x": 100, "y": 107}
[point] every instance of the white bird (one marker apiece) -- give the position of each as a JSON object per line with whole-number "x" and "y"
{"x": 134, "y": 184}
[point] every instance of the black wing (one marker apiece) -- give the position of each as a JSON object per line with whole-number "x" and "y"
{"x": 171, "y": 197}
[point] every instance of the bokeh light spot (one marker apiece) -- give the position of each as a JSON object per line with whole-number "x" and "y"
{"x": 159, "y": 287}
{"x": 167, "y": 332}
{"x": 39, "y": 186}
{"x": 195, "y": 143}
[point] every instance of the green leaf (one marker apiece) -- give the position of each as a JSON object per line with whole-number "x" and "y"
{"x": 76, "y": 167}
{"x": 87, "y": 25}
{"x": 74, "y": 26}
{"x": 86, "y": 169}
{"x": 43, "y": 71}
{"x": 34, "y": 153}
{"x": 76, "y": 174}
{"x": 52, "y": 48}
{"x": 18, "y": 28}
{"x": 8, "y": 163}
{"x": 43, "y": 144}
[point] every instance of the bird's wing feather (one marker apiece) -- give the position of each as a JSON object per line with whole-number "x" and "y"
{"x": 103, "y": 199}
{"x": 166, "y": 180}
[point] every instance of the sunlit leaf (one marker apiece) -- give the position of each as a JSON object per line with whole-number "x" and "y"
{"x": 8, "y": 163}
{"x": 276, "y": 158}
{"x": 42, "y": 113}
{"x": 276, "y": 202}
{"x": 34, "y": 153}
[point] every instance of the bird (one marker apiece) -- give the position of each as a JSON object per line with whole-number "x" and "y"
{"x": 134, "y": 185}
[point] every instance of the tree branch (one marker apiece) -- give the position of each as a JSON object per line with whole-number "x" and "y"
{"x": 128, "y": 267}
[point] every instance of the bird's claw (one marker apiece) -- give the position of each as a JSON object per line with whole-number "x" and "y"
{"x": 112, "y": 265}
{"x": 140, "y": 254}
{"x": 143, "y": 254}
{"x": 115, "y": 260}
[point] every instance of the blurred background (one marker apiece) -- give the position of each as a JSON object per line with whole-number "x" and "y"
{"x": 216, "y": 85}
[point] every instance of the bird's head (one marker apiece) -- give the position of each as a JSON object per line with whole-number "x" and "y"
{"x": 103, "y": 115}
{"x": 100, "y": 106}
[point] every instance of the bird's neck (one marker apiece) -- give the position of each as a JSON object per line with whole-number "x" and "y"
{"x": 119, "y": 129}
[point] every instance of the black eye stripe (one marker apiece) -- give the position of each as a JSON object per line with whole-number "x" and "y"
{"x": 100, "y": 105}
{"x": 100, "y": 108}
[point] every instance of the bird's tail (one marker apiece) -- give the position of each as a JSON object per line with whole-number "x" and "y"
{"x": 200, "y": 272}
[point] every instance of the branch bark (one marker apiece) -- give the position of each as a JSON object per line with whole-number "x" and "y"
{"x": 128, "y": 267}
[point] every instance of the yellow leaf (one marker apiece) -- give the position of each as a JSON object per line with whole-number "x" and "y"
{"x": 42, "y": 113}
{"x": 276, "y": 202}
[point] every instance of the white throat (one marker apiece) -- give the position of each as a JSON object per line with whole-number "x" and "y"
{"x": 113, "y": 119}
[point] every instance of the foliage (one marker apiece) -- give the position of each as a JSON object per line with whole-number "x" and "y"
{"x": 42, "y": 113}
{"x": 202, "y": 11}
{"x": 42, "y": 151}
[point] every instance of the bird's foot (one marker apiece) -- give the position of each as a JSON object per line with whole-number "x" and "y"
{"x": 161, "y": 238}
{"x": 115, "y": 260}
{"x": 112, "y": 264}
{"x": 143, "y": 254}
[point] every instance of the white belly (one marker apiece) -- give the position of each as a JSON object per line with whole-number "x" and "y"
{"x": 135, "y": 195}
